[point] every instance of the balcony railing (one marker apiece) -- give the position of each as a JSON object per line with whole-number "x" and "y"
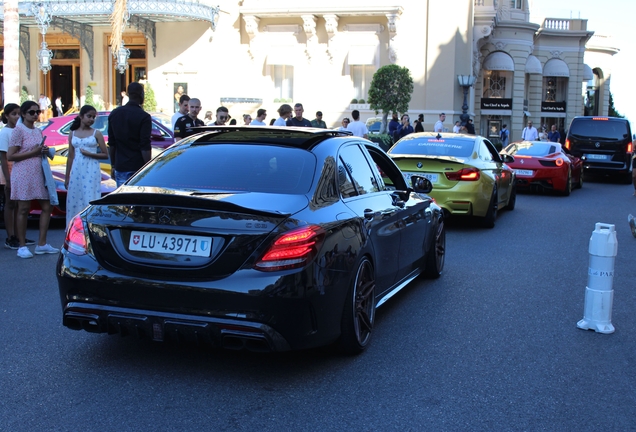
{"x": 565, "y": 24}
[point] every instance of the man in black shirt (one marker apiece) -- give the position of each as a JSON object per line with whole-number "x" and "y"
{"x": 129, "y": 129}
{"x": 183, "y": 126}
{"x": 299, "y": 120}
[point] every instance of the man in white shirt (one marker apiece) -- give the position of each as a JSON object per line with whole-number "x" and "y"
{"x": 439, "y": 124}
{"x": 183, "y": 109}
{"x": 356, "y": 127}
{"x": 285, "y": 112}
{"x": 457, "y": 126}
{"x": 530, "y": 133}
{"x": 260, "y": 118}
{"x": 44, "y": 102}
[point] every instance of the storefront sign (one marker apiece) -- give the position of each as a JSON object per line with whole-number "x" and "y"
{"x": 554, "y": 107}
{"x": 496, "y": 103}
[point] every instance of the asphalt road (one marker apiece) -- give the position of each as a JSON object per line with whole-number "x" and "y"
{"x": 492, "y": 345}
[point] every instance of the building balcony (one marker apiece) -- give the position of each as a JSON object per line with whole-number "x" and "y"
{"x": 564, "y": 24}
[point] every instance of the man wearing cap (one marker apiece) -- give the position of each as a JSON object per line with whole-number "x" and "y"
{"x": 129, "y": 129}
{"x": 317, "y": 122}
{"x": 439, "y": 124}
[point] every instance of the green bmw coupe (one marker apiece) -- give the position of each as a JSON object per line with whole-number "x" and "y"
{"x": 469, "y": 177}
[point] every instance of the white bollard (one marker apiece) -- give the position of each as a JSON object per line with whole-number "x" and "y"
{"x": 599, "y": 293}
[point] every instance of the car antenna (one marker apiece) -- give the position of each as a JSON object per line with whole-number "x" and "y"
{"x": 439, "y": 136}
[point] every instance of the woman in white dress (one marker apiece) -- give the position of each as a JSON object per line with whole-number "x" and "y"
{"x": 83, "y": 176}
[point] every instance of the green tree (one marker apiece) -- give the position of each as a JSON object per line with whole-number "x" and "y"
{"x": 150, "y": 102}
{"x": 24, "y": 95}
{"x": 90, "y": 99}
{"x": 390, "y": 91}
{"x": 612, "y": 111}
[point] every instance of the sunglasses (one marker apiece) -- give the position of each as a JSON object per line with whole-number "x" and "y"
{"x": 34, "y": 112}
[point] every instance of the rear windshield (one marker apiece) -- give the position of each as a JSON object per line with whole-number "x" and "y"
{"x": 434, "y": 147}
{"x": 231, "y": 167}
{"x": 599, "y": 129}
{"x": 531, "y": 149}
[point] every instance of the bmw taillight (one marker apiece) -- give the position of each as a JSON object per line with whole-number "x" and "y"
{"x": 75, "y": 241}
{"x": 464, "y": 174}
{"x": 292, "y": 249}
{"x": 567, "y": 144}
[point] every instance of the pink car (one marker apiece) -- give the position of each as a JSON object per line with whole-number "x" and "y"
{"x": 56, "y": 130}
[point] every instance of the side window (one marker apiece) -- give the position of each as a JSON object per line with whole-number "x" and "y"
{"x": 484, "y": 154}
{"x": 355, "y": 176}
{"x": 492, "y": 151}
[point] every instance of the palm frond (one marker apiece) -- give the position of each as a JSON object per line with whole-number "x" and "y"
{"x": 118, "y": 20}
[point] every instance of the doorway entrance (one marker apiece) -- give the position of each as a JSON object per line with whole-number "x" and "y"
{"x": 62, "y": 83}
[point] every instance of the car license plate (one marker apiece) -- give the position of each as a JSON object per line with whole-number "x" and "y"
{"x": 177, "y": 244}
{"x": 596, "y": 156}
{"x": 431, "y": 177}
{"x": 524, "y": 172}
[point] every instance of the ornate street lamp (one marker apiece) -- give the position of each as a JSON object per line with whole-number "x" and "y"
{"x": 43, "y": 18}
{"x": 123, "y": 54}
{"x": 466, "y": 82}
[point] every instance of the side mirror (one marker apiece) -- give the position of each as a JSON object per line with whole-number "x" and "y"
{"x": 421, "y": 184}
{"x": 155, "y": 135}
{"x": 507, "y": 158}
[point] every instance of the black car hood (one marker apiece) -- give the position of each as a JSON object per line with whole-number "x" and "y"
{"x": 251, "y": 202}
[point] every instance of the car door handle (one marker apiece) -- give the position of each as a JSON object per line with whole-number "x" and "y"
{"x": 369, "y": 214}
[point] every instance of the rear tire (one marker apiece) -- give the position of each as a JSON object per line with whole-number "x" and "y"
{"x": 568, "y": 184}
{"x": 512, "y": 201}
{"x": 579, "y": 185}
{"x": 491, "y": 215}
{"x": 435, "y": 256}
{"x": 358, "y": 315}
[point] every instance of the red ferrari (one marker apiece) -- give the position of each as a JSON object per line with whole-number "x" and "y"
{"x": 545, "y": 166}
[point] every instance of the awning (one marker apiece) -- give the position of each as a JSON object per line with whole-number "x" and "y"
{"x": 588, "y": 74}
{"x": 533, "y": 65}
{"x": 527, "y": 114}
{"x": 362, "y": 54}
{"x": 499, "y": 61}
{"x": 556, "y": 68}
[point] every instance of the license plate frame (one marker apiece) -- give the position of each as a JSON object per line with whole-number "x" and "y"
{"x": 155, "y": 242}
{"x": 433, "y": 178}
{"x": 525, "y": 173}
{"x": 599, "y": 157}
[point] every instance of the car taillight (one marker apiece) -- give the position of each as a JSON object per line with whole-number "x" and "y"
{"x": 630, "y": 147}
{"x": 464, "y": 174}
{"x": 558, "y": 162}
{"x": 292, "y": 249}
{"x": 75, "y": 241}
{"x": 567, "y": 144}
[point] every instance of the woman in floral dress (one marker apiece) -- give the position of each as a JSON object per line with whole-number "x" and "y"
{"x": 83, "y": 176}
{"x": 26, "y": 150}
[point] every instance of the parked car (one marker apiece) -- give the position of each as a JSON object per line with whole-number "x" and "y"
{"x": 61, "y": 156}
{"x": 374, "y": 124}
{"x": 469, "y": 177}
{"x": 275, "y": 239}
{"x": 604, "y": 144}
{"x": 56, "y": 130}
{"x": 545, "y": 166}
{"x": 59, "y": 175}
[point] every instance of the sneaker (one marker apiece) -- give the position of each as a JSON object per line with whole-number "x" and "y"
{"x": 46, "y": 249}
{"x": 632, "y": 224}
{"x": 12, "y": 243}
{"x": 24, "y": 252}
{"x": 29, "y": 242}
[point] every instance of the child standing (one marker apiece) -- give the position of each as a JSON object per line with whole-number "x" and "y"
{"x": 83, "y": 176}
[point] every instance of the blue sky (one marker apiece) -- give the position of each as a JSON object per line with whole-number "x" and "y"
{"x": 613, "y": 18}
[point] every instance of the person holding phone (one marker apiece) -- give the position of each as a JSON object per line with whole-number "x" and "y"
{"x": 404, "y": 128}
{"x": 26, "y": 150}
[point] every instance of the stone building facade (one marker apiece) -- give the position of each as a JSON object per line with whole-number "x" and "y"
{"x": 252, "y": 54}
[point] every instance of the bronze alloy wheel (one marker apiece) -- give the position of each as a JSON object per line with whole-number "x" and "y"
{"x": 359, "y": 312}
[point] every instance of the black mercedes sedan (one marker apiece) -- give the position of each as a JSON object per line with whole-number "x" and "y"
{"x": 258, "y": 238}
